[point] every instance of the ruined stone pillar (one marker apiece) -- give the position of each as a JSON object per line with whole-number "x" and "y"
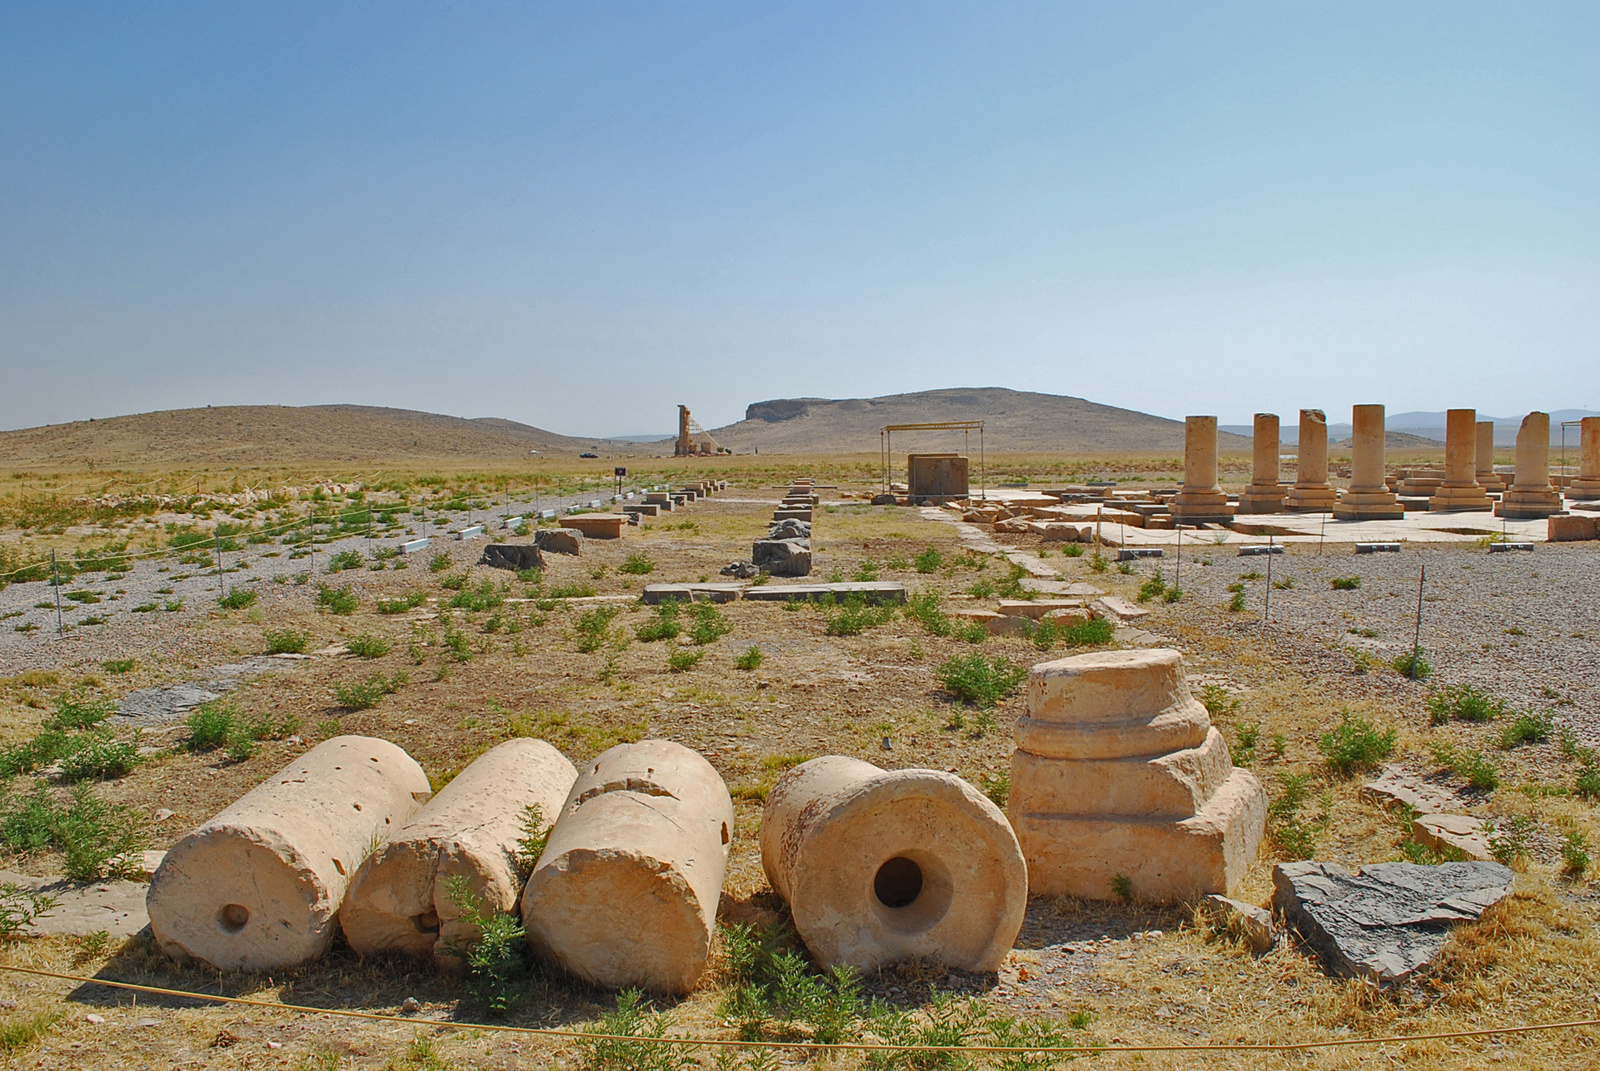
{"x": 1460, "y": 489}
{"x": 1530, "y": 495}
{"x": 1369, "y": 497}
{"x": 1311, "y": 492}
{"x": 1118, "y": 774}
{"x": 904, "y": 866}
{"x": 1201, "y": 501}
{"x": 399, "y": 901}
{"x": 1487, "y": 477}
{"x": 626, "y": 891}
{"x": 259, "y": 886}
{"x": 1264, "y": 494}
{"x": 1586, "y": 488}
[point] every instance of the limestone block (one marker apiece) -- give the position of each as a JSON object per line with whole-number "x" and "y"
{"x": 1395, "y": 788}
{"x": 1118, "y": 773}
{"x": 1459, "y": 831}
{"x": 1252, "y": 924}
{"x": 626, "y": 891}
{"x": 1037, "y": 608}
{"x": 559, "y": 540}
{"x": 782, "y": 557}
{"x": 884, "y": 867}
{"x": 512, "y": 556}
{"x": 259, "y": 886}
{"x": 599, "y": 525}
{"x": 399, "y": 900}
{"x": 1572, "y": 528}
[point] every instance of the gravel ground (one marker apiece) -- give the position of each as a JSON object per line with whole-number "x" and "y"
{"x": 1523, "y": 625}
{"x": 28, "y": 636}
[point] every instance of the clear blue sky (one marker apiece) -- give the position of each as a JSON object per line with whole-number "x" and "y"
{"x": 578, "y": 215}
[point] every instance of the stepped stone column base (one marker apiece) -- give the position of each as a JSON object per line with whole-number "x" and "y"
{"x": 1369, "y": 506}
{"x": 1262, "y": 499}
{"x": 1460, "y": 489}
{"x": 1528, "y": 505}
{"x": 1311, "y": 499}
{"x": 1119, "y": 774}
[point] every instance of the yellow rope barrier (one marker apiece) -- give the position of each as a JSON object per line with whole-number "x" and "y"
{"x": 851, "y": 1046}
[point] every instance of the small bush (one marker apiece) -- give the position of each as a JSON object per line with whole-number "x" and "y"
{"x": 751, "y": 659}
{"x": 1172, "y": 594}
{"x": 439, "y": 562}
{"x": 1588, "y": 783}
{"x": 684, "y": 659}
{"x": 1217, "y": 700}
{"x": 98, "y": 756}
{"x": 1464, "y": 702}
{"x": 1236, "y": 603}
{"x": 97, "y": 839}
{"x": 74, "y": 711}
{"x": 1153, "y": 588}
{"x": 1091, "y": 632}
{"x": 1508, "y": 842}
{"x": 494, "y": 958}
{"x": 366, "y": 645}
{"x": 1413, "y": 664}
{"x": 285, "y": 641}
{"x": 409, "y": 601}
{"x": 119, "y": 666}
{"x": 1575, "y": 852}
{"x": 858, "y": 615}
{"x": 663, "y": 626}
{"x": 1072, "y": 550}
{"x": 637, "y": 564}
{"x": 1346, "y": 583}
{"x": 593, "y": 627}
{"x": 340, "y": 601}
{"x": 923, "y": 608}
{"x": 1477, "y": 769}
{"x": 345, "y": 559}
{"x": 362, "y": 695}
{"x": 1354, "y": 744}
{"x": 929, "y": 561}
{"x": 475, "y": 600}
{"x": 997, "y": 787}
{"x": 709, "y": 624}
{"x": 973, "y": 680}
{"x": 238, "y": 599}
{"x": 1527, "y": 728}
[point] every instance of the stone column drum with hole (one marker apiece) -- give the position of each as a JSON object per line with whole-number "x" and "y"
{"x": 1586, "y": 488}
{"x": 882, "y": 867}
{"x": 1201, "y": 501}
{"x": 259, "y": 886}
{"x": 399, "y": 900}
{"x": 1460, "y": 489}
{"x": 1487, "y": 477}
{"x": 626, "y": 891}
{"x": 1264, "y": 494}
{"x": 1311, "y": 492}
{"x": 1369, "y": 497}
{"x": 1531, "y": 496}
{"x": 1120, "y": 785}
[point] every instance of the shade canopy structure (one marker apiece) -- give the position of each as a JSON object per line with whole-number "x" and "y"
{"x": 966, "y": 427}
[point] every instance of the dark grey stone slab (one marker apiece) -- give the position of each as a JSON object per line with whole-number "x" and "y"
{"x": 1388, "y": 920}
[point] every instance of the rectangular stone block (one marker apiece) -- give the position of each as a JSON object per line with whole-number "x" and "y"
{"x": 1571, "y": 528}
{"x": 599, "y": 525}
{"x": 1036, "y": 608}
{"x": 869, "y": 590}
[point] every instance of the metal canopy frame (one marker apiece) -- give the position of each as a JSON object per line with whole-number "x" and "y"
{"x": 966, "y": 427}
{"x": 1565, "y": 424}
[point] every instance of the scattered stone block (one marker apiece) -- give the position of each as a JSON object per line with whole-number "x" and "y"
{"x": 399, "y": 900}
{"x": 626, "y": 891}
{"x": 1131, "y": 554}
{"x": 1122, "y": 609}
{"x": 1507, "y": 548}
{"x": 259, "y": 886}
{"x": 599, "y": 525}
{"x": 782, "y": 557}
{"x": 887, "y": 867}
{"x": 789, "y": 528}
{"x": 1568, "y": 528}
{"x": 472, "y": 531}
{"x": 1254, "y": 552}
{"x": 1377, "y": 548}
{"x": 740, "y": 570}
{"x": 512, "y": 556}
{"x": 1037, "y": 608}
{"x": 559, "y": 540}
{"x": 1252, "y": 924}
{"x": 1118, "y": 773}
{"x": 792, "y": 515}
{"x": 1388, "y": 920}
{"x": 658, "y": 593}
{"x": 1460, "y": 832}
{"x": 414, "y": 546}
{"x": 1395, "y": 788}
{"x": 647, "y": 509}
{"x": 867, "y": 590}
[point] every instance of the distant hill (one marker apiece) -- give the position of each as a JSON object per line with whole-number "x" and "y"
{"x": 283, "y": 435}
{"x": 1014, "y": 421}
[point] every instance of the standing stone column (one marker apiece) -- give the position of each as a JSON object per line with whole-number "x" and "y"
{"x": 1488, "y": 478}
{"x": 1586, "y": 488}
{"x": 1460, "y": 490}
{"x": 1201, "y": 501}
{"x": 1265, "y": 494}
{"x": 1369, "y": 497}
{"x": 1530, "y": 495}
{"x": 1311, "y": 492}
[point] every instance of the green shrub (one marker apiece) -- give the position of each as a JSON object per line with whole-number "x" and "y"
{"x": 929, "y": 561}
{"x": 285, "y": 641}
{"x": 1476, "y": 768}
{"x": 19, "y": 907}
{"x": 1508, "y": 841}
{"x": 1354, "y": 744}
{"x": 366, "y": 645}
{"x": 361, "y": 695}
{"x": 408, "y": 601}
{"x": 663, "y": 626}
{"x": 1464, "y": 702}
{"x": 709, "y": 624}
{"x": 923, "y": 608}
{"x": 1153, "y": 588}
{"x": 1588, "y": 783}
{"x": 637, "y": 564}
{"x": 982, "y": 589}
{"x": 997, "y": 787}
{"x": 634, "y": 1019}
{"x": 1346, "y": 583}
{"x": 572, "y": 591}
{"x": 593, "y": 627}
{"x": 475, "y": 600}
{"x": 751, "y": 659}
{"x": 1413, "y": 664}
{"x": 1072, "y": 550}
{"x": 455, "y": 581}
{"x": 439, "y": 562}
{"x": 119, "y": 666}
{"x": 1292, "y": 837}
{"x": 97, "y": 756}
{"x": 97, "y": 839}
{"x": 979, "y": 682}
{"x": 1091, "y": 632}
{"x": 495, "y": 957}
{"x": 1575, "y": 852}
{"x": 1236, "y": 603}
{"x": 684, "y": 659}
{"x": 345, "y": 559}
{"x": 237, "y": 599}
{"x": 340, "y": 601}
{"x": 1527, "y": 728}
{"x": 74, "y": 711}
{"x": 857, "y": 615}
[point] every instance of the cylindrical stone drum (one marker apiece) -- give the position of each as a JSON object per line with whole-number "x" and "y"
{"x": 259, "y": 886}
{"x": 626, "y": 891}
{"x": 882, "y": 867}
{"x": 399, "y": 901}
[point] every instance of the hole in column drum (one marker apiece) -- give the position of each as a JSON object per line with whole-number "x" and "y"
{"x": 898, "y": 882}
{"x": 233, "y": 917}
{"x": 724, "y": 832}
{"x": 427, "y": 922}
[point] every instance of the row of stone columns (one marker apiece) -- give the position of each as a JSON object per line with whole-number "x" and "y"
{"x": 1469, "y": 470}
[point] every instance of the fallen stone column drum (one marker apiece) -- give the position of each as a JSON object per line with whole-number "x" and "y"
{"x": 399, "y": 901}
{"x": 626, "y": 891}
{"x": 259, "y": 886}
{"x": 884, "y": 867}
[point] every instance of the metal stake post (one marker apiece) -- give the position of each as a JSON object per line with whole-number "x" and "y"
{"x": 219, "y": 566}
{"x": 61, "y": 627}
{"x": 1416, "y": 639}
{"x": 1266, "y": 614}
